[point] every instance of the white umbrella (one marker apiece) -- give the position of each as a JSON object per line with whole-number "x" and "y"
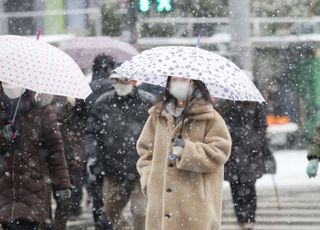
{"x": 40, "y": 67}
{"x": 221, "y": 76}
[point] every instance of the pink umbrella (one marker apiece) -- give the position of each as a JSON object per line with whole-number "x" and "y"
{"x": 84, "y": 49}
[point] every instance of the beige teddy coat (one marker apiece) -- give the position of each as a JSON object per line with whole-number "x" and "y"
{"x": 185, "y": 194}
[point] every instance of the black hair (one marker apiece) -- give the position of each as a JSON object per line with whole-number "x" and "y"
{"x": 166, "y": 97}
{"x": 102, "y": 64}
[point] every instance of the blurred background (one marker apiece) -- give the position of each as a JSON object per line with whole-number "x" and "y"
{"x": 278, "y": 41}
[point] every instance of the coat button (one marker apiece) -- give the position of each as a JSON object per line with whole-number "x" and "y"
{"x": 167, "y": 216}
{"x": 170, "y": 165}
{"x": 169, "y": 190}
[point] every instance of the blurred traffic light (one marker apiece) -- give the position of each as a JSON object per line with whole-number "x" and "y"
{"x": 144, "y": 5}
{"x": 162, "y": 6}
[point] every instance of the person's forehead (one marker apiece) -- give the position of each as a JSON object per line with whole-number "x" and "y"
{"x": 179, "y": 78}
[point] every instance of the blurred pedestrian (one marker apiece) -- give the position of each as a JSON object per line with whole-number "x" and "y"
{"x": 314, "y": 153}
{"x": 182, "y": 148}
{"x": 32, "y": 159}
{"x": 72, "y": 134}
{"x": 102, "y": 67}
{"x": 250, "y": 156}
{"x": 112, "y": 130}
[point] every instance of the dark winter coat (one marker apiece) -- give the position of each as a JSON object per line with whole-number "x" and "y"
{"x": 250, "y": 155}
{"x": 98, "y": 86}
{"x": 112, "y": 130}
{"x": 72, "y": 133}
{"x": 154, "y": 89}
{"x": 33, "y": 163}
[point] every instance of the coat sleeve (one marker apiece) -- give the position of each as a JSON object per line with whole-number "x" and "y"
{"x": 261, "y": 123}
{"x": 145, "y": 147}
{"x": 93, "y": 130}
{"x": 53, "y": 142}
{"x": 314, "y": 147}
{"x": 212, "y": 153}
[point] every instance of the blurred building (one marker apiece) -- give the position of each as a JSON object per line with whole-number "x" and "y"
{"x": 25, "y": 17}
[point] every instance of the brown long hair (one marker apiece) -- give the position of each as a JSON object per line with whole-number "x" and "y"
{"x": 166, "y": 97}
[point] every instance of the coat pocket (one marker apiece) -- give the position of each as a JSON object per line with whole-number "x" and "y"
{"x": 203, "y": 187}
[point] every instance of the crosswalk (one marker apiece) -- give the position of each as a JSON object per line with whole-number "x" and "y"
{"x": 299, "y": 210}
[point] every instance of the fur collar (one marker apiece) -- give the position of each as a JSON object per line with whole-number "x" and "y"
{"x": 200, "y": 110}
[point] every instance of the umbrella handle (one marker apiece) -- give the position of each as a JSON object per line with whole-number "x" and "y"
{"x": 13, "y": 121}
{"x": 198, "y": 41}
{"x": 38, "y": 34}
{"x": 276, "y": 191}
{"x": 201, "y": 34}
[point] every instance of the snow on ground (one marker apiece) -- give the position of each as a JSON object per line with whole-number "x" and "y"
{"x": 291, "y": 171}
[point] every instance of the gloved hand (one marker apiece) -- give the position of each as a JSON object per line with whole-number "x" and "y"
{"x": 64, "y": 194}
{"x": 101, "y": 221}
{"x": 312, "y": 168}
{"x": 94, "y": 168}
{"x": 178, "y": 146}
{"x": 9, "y": 132}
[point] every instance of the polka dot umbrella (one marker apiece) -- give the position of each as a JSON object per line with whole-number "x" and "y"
{"x": 221, "y": 76}
{"x": 40, "y": 67}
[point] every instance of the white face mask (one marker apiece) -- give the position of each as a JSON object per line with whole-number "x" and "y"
{"x": 181, "y": 90}
{"x": 12, "y": 91}
{"x": 123, "y": 90}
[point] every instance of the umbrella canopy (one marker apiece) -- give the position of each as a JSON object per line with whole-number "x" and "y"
{"x": 221, "y": 76}
{"x": 40, "y": 67}
{"x": 84, "y": 49}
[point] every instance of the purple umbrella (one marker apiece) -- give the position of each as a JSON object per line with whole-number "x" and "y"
{"x": 84, "y": 49}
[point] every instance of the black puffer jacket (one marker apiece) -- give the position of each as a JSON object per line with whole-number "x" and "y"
{"x": 112, "y": 130}
{"x": 250, "y": 156}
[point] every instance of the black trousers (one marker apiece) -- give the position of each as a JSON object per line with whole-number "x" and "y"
{"x": 76, "y": 194}
{"x": 21, "y": 225}
{"x": 244, "y": 197}
{"x": 99, "y": 216}
{"x": 69, "y": 206}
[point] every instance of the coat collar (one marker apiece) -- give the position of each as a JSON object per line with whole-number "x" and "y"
{"x": 201, "y": 110}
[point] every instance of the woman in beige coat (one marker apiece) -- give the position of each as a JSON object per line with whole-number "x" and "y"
{"x": 183, "y": 148}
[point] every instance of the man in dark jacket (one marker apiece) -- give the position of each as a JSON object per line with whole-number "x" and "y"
{"x": 250, "y": 156}
{"x": 113, "y": 127}
{"x": 102, "y": 67}
{"x": 72, "y": 134}
{"x": 32, "y": 160}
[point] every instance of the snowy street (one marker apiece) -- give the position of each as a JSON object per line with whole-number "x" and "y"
{"x": 299, "y": 199}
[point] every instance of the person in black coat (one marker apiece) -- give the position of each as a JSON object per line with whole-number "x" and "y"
{"x": 113, "y": 127}
{"x": 102, "y": 68}
{"x": 250, "y": 156}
